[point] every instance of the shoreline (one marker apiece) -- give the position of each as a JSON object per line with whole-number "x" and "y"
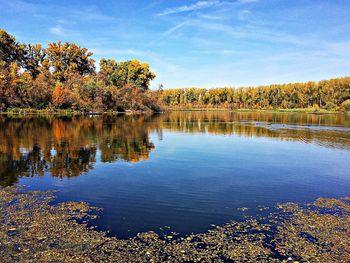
{"x": 130, "y": 112}
{"x": 297, "y": 110}
{"x": 72, "y": 112}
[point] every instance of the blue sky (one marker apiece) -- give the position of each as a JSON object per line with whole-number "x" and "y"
{"x": 210, "y": 43}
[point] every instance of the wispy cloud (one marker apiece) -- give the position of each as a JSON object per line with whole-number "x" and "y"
{"x": 203, "y": 5}
{"x": 58, "y": 31}
{"x": 91, "y": 14}
{"x": 248, "y": 32}
{"x": 187, "y": 8}
{"x": 174, "y": 29}
{"x": 114, "y": 51}
{"x": 222, "y": 52}
{"x": 210, "y": 17}
{"x": 247, "y": 1}
{"x": 171, "y": 31}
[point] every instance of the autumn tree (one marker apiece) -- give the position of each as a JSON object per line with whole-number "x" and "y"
{"x": 129, "y": 72}
{"x": 68, "y": 58}
{"x": 60, "y": 96}
{"x": 63, "y": 76}
{"x": 9, "y": 48}
{"x": 107, "y": 68}
{"x": 31, "y": 58}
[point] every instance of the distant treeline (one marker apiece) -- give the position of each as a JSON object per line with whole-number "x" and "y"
{"x": 63, "y": 76}
{"x": 333, "y": 94}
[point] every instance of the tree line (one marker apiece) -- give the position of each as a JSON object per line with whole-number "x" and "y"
{"x": 333, "y": 94}
{"x": 63, "y": 76}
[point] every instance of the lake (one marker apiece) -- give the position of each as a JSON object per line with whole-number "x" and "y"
{"x": 179, "y": 171}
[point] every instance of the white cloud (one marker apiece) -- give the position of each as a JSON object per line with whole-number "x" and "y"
{"x": 58, "y": 31}
{"x": 187, "y": 8}
{"x": 174, "y": 29}
{"x": 247, "y": 1}
{"x": 202, "y": 5}
{"x": 210, "y": 17}
{"x": 169, "y": 33}
{"x": 91, "y": 14}
{"x": 250, "y": 32}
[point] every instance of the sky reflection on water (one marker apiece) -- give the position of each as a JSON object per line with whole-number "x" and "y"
{"x": 185, "y": 170}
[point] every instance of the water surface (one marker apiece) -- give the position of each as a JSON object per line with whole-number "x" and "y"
{"x": 183, "y": 170}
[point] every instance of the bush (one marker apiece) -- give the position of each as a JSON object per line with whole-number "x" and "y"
{"x": 346, "y": 105}
{"x": 330, "y": 106}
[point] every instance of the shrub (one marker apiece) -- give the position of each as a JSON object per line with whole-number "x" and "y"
{"x": 346, "y": 105}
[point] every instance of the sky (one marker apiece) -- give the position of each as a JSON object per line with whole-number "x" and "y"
{"x": 213, "y": 43}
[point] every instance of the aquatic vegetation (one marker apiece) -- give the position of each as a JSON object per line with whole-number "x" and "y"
{"x": 33, "y": 229}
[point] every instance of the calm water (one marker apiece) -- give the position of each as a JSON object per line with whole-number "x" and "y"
{"x": 183, "y": 170}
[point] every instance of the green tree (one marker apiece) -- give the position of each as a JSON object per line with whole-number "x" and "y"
{"x": 31, "y": 58}
{"x": 9, "y": 48}
{"x": 129, "y": 72}
{"x": 107, "y": 68}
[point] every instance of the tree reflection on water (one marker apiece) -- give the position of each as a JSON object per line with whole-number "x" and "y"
{"x": 68, "y": 146}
